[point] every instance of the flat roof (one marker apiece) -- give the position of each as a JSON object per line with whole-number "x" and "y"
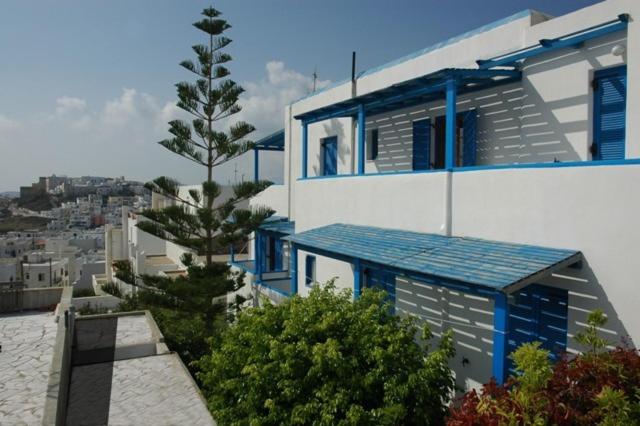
{"x": 492, "y": 265}
{"x": 28, "y": 341}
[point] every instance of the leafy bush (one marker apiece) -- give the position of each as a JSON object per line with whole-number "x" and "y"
{"x": 326, "y": 359}
{"x": 112, "y": 289}
{"x": 597, "y": 387}
{"x": 124, "y": 271}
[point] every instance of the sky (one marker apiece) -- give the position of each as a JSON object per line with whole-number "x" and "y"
{"x": 87, "y": 86}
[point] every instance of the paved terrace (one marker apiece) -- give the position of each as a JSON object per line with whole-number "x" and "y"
{"x": 27, "y": 341}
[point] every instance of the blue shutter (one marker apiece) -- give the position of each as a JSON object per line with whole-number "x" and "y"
{"x": 540, "y": 314}
{"x": 610, "y": 113}
{"x": 374, "y": 144}
{"x": 421, "y": 144}
{"x": 330, "y": 156}
{"x": 470, "y": 130}
{"x": 309, "y": 268}
{"x": 378, "y": 278}
{"x": 278, "y": 254}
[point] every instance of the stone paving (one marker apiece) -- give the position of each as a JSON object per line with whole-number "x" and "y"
{"x": 27, "y": 341}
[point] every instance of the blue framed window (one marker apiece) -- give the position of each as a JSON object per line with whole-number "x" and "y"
{"x": 373, "y": 145}
{"x": 609, "y": 113}
{"x": 330, "y": 156}
{"x": 309, "y": 270}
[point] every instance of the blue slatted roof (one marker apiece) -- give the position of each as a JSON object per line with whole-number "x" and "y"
{"x": 279, "y": 225}
{"x": 490, "y": 264}
{"x": 273, "y": 142}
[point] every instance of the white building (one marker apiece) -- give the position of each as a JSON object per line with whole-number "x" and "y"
{"x": 487, "y": 182}
{"x": 44, "y": 269}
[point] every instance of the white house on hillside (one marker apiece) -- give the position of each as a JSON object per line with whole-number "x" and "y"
{"x": 487, "y": 182}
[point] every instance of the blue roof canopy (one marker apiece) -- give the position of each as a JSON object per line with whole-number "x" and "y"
{"x": 492, "y": 265}
{"x": 273, "y": 142}
{"x": 413, "y": 92}
{"x": 278, "y": 225}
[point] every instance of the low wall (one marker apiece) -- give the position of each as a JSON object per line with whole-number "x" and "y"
{"x": 41, "y": 298}
{"x": 96, "y": 302}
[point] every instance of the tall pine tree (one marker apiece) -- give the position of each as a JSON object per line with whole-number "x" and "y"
{"x": 197, "y": 220}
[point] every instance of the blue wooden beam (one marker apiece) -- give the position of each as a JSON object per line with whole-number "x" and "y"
{"x": 450, "y": 130}
{"x": 256, "y": 165}
{"x": 357, "y": 279}
{"x": 293, "y": 255}
{"x": 361, "y": 139}
{"x": 549, "y": 45}
{"x": 500, "y": 337}
{"x": 304, "y": 148}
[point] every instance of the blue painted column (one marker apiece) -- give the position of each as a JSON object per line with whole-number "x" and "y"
{"x": 293, "y": 255}
{"x": 357, "y": 279}
{"x": 256, "y": 165}
{"x": 305, "y": 141}
{"x": 500, "y": 337}
{"x": 258, "y": 256}
{"x": 450, "y": 130}
{"x": 361, "y": 138}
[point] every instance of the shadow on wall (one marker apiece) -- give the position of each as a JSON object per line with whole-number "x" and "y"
{"x": 585, "y": 295}
{"x": 332, "y": 128}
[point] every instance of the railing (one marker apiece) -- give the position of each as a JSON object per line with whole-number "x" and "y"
{"x": 11, "y": 296}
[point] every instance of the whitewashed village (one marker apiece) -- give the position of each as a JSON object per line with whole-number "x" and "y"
{"x": 449, "y": 238}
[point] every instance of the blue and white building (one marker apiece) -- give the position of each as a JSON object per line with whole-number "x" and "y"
{"x": 489, "y": 183}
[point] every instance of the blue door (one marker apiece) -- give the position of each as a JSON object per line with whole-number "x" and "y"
{"x": 330, "y": 156}
{"x": 377, "y": 278}
{"x": 279, "y": 244}
{"x": 421, "y": 144}
{"x": 539, "y": 313}
{"x": 469, "y": 132}
{"x": 609, "y": 113}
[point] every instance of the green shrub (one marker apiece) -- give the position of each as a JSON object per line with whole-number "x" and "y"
{"x": 83, "y": 292}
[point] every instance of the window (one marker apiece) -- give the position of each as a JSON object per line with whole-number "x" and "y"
{"x": 309, "y": 270}
{"x": 27, "y": 275}
{"x": 465, "y": 149}
{"x": 330, "y": 156}
{"x": 41, "y": 276}
{"x": 373, "y": 145}
{"x": 609, "y": 112}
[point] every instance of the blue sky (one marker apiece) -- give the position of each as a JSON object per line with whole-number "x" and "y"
{"x": 87, "y": 85}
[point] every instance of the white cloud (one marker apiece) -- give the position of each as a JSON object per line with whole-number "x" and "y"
{"x": 7, "y": 124}
{"x": 69, "y": 104}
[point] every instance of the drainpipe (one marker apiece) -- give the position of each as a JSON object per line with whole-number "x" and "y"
{"x": 354, "y": 90}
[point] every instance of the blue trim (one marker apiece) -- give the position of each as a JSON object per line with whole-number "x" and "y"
{"x": 348, "y": 175}
{"x": 357, "y": 279}
{"x": 421, "y": 144}
{"x": 451, "y": 125}
{"x": 500, "y": 337}
{"x": 305, "y": 143}
{"x": 487, "y": 27}
{"x": 361, "y": 138}
{"x": 256, "y": 165}
{"x": 546, "y": 45}
{"x": 273, "y": 142}
{"x": 628, "y": 162}
{"x": 293, "y": 255}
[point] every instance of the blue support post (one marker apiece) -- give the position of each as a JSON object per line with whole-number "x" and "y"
{"x": 450, "y": 129}
{"x": 305, "y": 141}
{"x": 256, "y": 165}
{"x": 361, "y": 138}
{"x": 294, "y": 268}
{"x": 258, "y": 255}
{"x": 357, "y": 279}
{"x": 500, "y": 337}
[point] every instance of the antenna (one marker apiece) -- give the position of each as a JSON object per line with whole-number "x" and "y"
{"x": 315, "y": 77}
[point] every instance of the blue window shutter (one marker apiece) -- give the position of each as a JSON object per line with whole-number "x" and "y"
{"x": 278, "y": 254}
{"x": 540, "y": 313}
{"x": 610, "y": 113}
{"x": 309, "y": 268}
{"x": 421, "y": 144}
{"x": 330, "y": 156}
{"x": 470, "y": 131}
{"x": 374, "y": 144}
{"x": 264, "y": 241}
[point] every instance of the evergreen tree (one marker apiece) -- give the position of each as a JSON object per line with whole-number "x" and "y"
{"x": 196, "y": 220}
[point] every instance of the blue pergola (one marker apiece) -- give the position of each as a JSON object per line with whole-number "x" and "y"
{"x": 486, "y": 268}
{"x": 447, "y": 83}
{"x": 273, "y": 142}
